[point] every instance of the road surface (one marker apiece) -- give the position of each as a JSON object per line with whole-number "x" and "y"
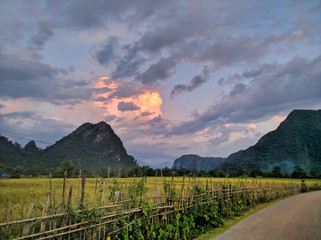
{"x": 295, "y": 218}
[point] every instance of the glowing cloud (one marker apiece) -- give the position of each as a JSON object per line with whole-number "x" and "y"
{"x": 146, "y": 105}
{"x": 150, "y": 102}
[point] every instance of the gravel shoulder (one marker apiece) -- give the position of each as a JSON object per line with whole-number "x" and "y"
{"x": 295, "y": 218}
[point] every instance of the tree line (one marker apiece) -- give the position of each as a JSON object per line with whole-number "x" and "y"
{"x": 140, "y": 171}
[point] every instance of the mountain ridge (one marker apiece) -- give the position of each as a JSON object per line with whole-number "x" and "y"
{"x": 296, "y": 141}
{"x": 90, "y": 146}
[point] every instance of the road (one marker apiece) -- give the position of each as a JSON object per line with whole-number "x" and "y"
{"x": 294, "y": 218}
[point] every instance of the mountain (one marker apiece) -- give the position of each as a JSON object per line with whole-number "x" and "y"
{"x": 201, "y": 163}
{"x": 92, "y": 147}
{"x": 297, "y": 141}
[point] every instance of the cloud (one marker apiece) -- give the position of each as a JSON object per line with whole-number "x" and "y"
{"x": 110, "y": 118}
{"x": 161, "y": 70}
{"x": 129, "y": 65}
{"x": 146, "y": 114}
{"x": 107, "y": 53}
{"x": 127, "y": 106}
{"x": 285, "y": 87}
{"x": 38, "y": 40}
{"x": 196, "y": 82}
{"x": 25, "y": 126}
{"x": 27, "y": 78}
{"x": 2, "y": 106}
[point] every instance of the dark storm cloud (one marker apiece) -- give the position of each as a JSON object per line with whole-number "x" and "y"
{"x": 33, "y": 79}
{"x": 195, "y": 83}
{"x": 161, "y": 70}
{"x": 106, "y": 54}
{"x": 127, "y": 106}
{"x": 285, "y": 87}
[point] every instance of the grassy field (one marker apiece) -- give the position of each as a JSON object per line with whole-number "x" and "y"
{"x": 17, "y": 195}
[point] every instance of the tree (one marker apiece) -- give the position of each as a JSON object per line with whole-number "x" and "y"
{"x": 65, "y": 165}
{"x": 256, "y": 172}
{"x": 276, "y": 172}
{"x": 298, "y": 172}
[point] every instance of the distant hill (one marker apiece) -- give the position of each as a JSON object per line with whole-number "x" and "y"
{"x": 297, "y": 141}
{"x": 91, "y": 147}
{"x": 201, "y": 163}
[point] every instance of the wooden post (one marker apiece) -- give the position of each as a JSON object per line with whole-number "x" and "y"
{"x": 26, "y": 226}
{"x": 44, "y": 213}
{"x": 83, "y": 183}
{"x": 95, "y": 192}
{"x": 70, "y": 196}
{"x": 107, "y": 185}
{"x": 79, "y": 182}
{"x": 50, "y": 191}
{"x": 103, "y": 194}
{"x": 64, "y": 187}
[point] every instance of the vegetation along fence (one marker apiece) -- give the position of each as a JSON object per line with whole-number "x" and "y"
{"x": 162, "y": 208}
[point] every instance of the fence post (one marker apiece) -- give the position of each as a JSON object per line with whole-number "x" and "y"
{"x": 83, "y": 183}
{"x": 64, "y": 187}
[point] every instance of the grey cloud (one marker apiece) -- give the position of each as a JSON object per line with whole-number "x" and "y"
{"x": 110, "y": 118}
{"x": 146, "y": 114}
{"x": 230, "y": 80}
{"x": 2, "y": 106}
{"x": 284, "y": 88}
{"x": 158, "y": 71}
{"x": 83, "y": 14}
{"x": 106, "y": 54}
{"x": 101, "y": 99}
{"x": 44, "y": 33}
{"x": 102, "y": 90}
{"x": 33, "y": 79}
{"x": 252, "y": 74}
{"x": 195, "y": 83}
{"x": 125, "y": 90}
{"x": 129, "y": 65}
{"x": 238, "y": 89}
{"x": 45, "y": 131}
{"x": 127, "y": 106}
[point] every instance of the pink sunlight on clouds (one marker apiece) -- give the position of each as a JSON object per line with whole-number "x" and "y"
{"x": 145, "y": 104}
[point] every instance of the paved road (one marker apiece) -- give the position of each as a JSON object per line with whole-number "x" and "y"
{"x": 295, "y": 218}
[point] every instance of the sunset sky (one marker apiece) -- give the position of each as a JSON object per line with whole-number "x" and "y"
{"x": 170, "y": 77}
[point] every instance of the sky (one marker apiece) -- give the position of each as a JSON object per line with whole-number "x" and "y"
{"x": 170, "y": 77}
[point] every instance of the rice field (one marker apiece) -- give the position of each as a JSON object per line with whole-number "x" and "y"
{"x": 17, "y": 195}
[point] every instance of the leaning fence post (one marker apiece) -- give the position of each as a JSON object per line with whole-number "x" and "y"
{"x": 44, "y": 213}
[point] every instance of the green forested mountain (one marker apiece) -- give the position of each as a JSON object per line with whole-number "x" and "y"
{"x": 92, "y": 147}
{"x": 297, "y": 141}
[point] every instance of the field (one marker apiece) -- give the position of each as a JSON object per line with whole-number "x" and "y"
{"x": 18, "y": 194}
{"x": 143, "y": 208}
